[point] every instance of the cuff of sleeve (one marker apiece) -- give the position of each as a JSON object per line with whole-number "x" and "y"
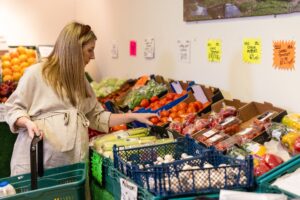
{"x": 104, "y": 121}
{"x": 13, "y": 118}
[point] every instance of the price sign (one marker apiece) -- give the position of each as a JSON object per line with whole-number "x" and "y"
{"x": 129, "y": 190}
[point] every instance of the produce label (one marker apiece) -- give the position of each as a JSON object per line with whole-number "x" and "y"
{"x": 284, "y": 54}
{"x": 252, "y": 51}
{"x": 128, "y": 190}
{"x": 214, "y": 50}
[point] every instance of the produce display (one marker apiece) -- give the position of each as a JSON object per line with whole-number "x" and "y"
{"x": 6, "y": 88}
{"x": 14, "y": 63}
{"x": 107, "y": 86}
{"x": 135, "y": 96}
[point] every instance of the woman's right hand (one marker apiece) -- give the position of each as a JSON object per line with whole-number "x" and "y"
{"x": 30, "y": 126}
{"x": 32, "y": 129}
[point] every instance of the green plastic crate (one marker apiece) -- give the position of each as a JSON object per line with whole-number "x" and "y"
{"x": 264, "y": 182}
{"x": 7, "y": 139}
{"x": 99, "y": 193}
{"x": 67, "y": 182}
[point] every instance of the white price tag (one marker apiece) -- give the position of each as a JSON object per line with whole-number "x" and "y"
{"x": 2, "y": 112}
{"x": 177, "y": 87}
{"x": 129, "y": 190}
{"x": 199, "y": 94}
{"x": 149, "y": 48}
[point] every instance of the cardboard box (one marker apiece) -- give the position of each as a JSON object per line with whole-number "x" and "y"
{"x": 216, "y": 107}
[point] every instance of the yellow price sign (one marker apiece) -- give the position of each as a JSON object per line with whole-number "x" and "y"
{"x": 252, "y": 50}
{"x": 214, "y": 50}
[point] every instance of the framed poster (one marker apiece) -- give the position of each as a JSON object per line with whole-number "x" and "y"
{"x": 196, "y": 10}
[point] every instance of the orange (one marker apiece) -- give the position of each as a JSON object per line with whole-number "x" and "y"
{"x": 6, "y": 71}
{"x": 31, "y": 53}
{"x": 31, "y": 60}
{"x": 14, "y": 54}
{"x": 6, "y": 64}
{"x": 21, "y": 50}
{"x": 5, "y": 57}
{"x": 23, "y": 57}
{"x": 16, "y": 68}
{"x": 7, "y": 78}
{"x": 15, "y": 61}
{"x": 24, "y": 64}
{"x": 16, "y": 76}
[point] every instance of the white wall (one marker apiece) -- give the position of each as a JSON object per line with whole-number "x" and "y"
{"x": 123, "y": 20}
{"x": 34, "y": 22}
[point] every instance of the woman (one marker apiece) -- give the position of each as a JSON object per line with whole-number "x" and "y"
{"x": 55, "y": 99}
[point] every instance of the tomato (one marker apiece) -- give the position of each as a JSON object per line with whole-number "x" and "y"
{"x": 182, "y": 106}
{"x": 174, "y": 109}
{"x": 119, "y": 127}
{"x": 144, "y": 103}
{"x": 153, "y": 99}
{"x": 164, "y": 113}
{"x": 177, "y": 119}
{"x": 164, "y": 119}
{"x": 137, "y": 108}
{"x": 173, "y": 115}
{"x": 170, "y": 96}
{"x": 191, "y": 110}
{"x": 163, "y": 102}
{"x": 198, "y": 105}
{"x": 154, "y": 120}
{"x": 181, "y": 112}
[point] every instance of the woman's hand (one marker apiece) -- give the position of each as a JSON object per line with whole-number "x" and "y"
{"x": 30, "y": 126}
{"x": 116, "y": 119}
{"x": 144, "y": 117}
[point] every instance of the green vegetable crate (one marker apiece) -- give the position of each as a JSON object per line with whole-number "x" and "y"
{"x": 67, "y": 182}
{"x": 265, "y": 181}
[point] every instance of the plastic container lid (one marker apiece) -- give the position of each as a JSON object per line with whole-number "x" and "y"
{"x": 3, "y": 183}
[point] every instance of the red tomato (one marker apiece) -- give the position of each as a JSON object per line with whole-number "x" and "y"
{"x": 164, "y": 113}
{"x": 177, "y": 119}
{"x": 164, "y": 119}
{"x": 181, "y": 112}
{"x": 136, "y": 108}
{"x": 173, "y": 115}
{"x": 174, "y": 109}
{"x": 198, "y": 105}
{"x": 144, "y": 103}
{"x": 154, "y": 120}
{"x": 162, "y": 102}
{"x": 191, "y": 110}
{"x": 170, "y": 96}
{"x": 160, "y": 124}
{"x": 154, "y": 98}
{"x": 119, "y": 127}
{"x": 182, "y": 106}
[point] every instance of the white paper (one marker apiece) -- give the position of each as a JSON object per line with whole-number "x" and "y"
{"x": 289, "y": 182}
{"x": 177, "y": 87}
{"x": 129, "y": 190}
{"x": 199, "y": 94}
{"x": 114, "y": 50}
{"x": 237, "y": 195}
{"x": 149, "y": 48}
{"x": 45, "y": 50}
{"x": 184, "y": 51}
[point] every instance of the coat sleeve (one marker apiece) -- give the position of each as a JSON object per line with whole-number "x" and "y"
{"x": 98, "y": 117}
{"x": 20, "y": 101}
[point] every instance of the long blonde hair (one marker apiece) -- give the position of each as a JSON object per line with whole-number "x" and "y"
{"x": 64, "y": 67}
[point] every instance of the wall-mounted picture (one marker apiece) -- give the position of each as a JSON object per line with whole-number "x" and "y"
{"x": 195, "y": 10}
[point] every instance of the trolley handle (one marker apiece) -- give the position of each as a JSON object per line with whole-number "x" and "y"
{"x": 36, "y": 160}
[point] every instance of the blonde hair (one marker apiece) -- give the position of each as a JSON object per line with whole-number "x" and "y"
{"x": 64, "y": 67}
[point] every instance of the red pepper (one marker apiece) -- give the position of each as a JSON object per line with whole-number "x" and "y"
{"x": 261, "y": 168}
{"x": 272, "y": 160}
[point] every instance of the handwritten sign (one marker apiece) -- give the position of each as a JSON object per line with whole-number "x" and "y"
{"x": 214, "y": 50}
{"x": 252, "y": 50}
{"x": 129, "y": 190}
{"x": 284, "y": 54}
{"x": 184, "y": 51}
{"x": 149, "y": 48}
{"x": 132, "y": 48}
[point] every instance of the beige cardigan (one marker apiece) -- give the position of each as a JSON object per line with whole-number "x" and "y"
{"x": 64, "y": 126}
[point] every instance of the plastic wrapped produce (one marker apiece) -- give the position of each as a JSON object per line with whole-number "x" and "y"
{"x": 276, "y": 130}
{"x": 229, "y": 125}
